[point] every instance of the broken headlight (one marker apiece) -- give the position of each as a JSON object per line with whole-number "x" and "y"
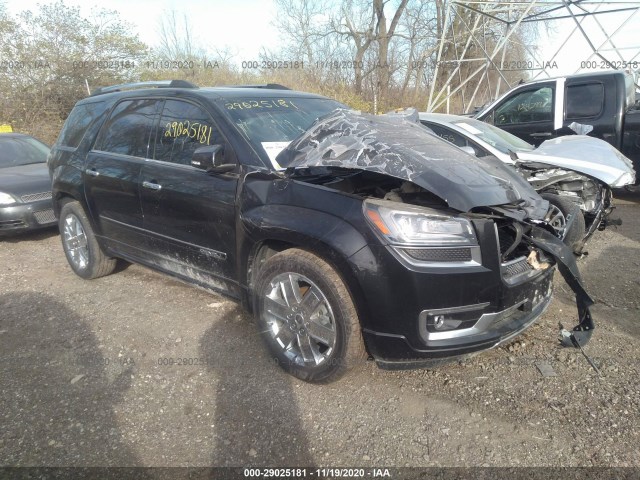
{"x": 404, "y": 224}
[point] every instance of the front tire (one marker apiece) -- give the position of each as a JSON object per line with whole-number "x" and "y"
{"x": 307, "y": 317}
{"x": 574, "y": 237}
{"x": 83, "y": 252}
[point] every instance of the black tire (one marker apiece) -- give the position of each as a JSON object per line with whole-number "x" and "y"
{"x": 329, "y": 355}
{"x": 575, "y": 236}
{"x": 85, "y": 256}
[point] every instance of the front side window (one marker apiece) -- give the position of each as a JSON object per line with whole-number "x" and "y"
{"x": 526, "y": 107}
{"x": 128, "y": 129}
{"x": 183, "y": 128}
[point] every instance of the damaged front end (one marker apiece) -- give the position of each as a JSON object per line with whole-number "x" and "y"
{"x": 464, "y": 254}
{"x": 592, "y": 197}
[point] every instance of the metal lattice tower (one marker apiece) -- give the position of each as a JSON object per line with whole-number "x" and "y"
{"x": 590, "y": 20}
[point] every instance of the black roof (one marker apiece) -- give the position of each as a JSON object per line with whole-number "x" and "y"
{"x": 212, "y": 93}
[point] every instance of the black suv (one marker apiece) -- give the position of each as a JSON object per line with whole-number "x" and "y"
{"x": 346, "y": 234}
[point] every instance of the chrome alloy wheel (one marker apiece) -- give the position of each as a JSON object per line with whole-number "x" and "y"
{"x": 556, "y": 219}
{"x": 300, "y": 319}
{"x": 75, "y": 241}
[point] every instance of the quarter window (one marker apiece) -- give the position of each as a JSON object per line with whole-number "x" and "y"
{"x": 525, "y": 107}
{"x": 81, "y": 117}
{"x": 184, "y": 127}
{"x": 128, "y": 129}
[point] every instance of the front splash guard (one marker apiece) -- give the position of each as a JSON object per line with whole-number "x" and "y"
{"x": 581, "y": 333}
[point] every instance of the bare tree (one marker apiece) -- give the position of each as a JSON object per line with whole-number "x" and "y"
{"x": 175, "y": 40}
{"x": 383, "y": 36}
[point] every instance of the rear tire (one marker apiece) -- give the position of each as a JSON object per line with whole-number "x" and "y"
{"x": 307, "y": 318}
{"x": 83, "y": 252}
{"x": 574, "y": 237}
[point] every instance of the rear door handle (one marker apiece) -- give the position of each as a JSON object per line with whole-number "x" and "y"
{"x": 152, "y": 185}
{"x": 92, "y": 171}
{"x": 541, "y": 134}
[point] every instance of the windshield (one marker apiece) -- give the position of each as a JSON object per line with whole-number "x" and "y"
{"x": 17, "y": 151}
{"x": 494, "y": 136}
{"x": 271, "y": 123}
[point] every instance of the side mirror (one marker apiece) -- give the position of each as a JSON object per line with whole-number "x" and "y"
{"x": 210, "y": 159}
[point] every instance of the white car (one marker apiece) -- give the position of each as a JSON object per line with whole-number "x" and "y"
{"x": 567, "y": 171}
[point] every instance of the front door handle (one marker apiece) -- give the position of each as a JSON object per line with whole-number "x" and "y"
{"x": 541, "y": 134}
{"x": 92, "y": 171}
{"x": 152, "y": 185}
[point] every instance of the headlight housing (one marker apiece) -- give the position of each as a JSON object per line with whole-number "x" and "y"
{"x": 6, "y": 199}
{"x": 403, "y": 224}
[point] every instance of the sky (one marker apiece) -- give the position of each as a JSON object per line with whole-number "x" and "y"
{"x": 245, "y": 26}
{"x": 242, "y": 25}
{"x": 577, "y": 50}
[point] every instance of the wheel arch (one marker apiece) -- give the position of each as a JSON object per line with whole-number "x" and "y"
{"x": 268, "y": 247}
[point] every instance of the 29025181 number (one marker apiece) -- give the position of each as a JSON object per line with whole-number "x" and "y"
{"x": 195, "y": 130}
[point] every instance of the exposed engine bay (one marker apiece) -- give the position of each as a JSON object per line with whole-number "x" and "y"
{"x": 592, "y": 197}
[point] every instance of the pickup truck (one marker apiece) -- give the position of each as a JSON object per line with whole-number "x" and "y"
{"x": 598, "y": 104}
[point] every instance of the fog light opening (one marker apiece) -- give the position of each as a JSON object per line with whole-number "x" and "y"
{"x": 438, "y": 321}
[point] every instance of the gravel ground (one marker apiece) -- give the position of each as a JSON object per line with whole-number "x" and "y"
{"x": 86, "y": 379}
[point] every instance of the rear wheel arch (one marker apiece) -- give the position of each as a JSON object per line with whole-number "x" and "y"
{"x": 85, "y": 255}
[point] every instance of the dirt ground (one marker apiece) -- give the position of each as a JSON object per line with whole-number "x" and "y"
{"x": 136, "y": 369}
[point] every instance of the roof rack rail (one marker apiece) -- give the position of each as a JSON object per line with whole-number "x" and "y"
{"x": 271, "y": 86}
{"x": 150, "y": 84}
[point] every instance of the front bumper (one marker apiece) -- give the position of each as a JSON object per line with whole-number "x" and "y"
{"x": 490, "y": 331}
{"x": 22, "y": 217}
{"x": 487, "y": 303}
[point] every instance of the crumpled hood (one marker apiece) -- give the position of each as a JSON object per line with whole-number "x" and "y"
{"x": 399, "y": 147}
{"x": 587, "y": 155}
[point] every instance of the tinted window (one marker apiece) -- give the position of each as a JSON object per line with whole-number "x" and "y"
{"x": 127, "y": 130}
{"x": 525, "y": 107}
{"x": 78, "y": 122}
{"x": 585, "y": 100}
{"x": 184, "y": 127}
{"x": 16, "y": 151}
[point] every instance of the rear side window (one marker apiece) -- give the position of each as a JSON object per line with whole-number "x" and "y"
{"x": 584, "y": 101}
{"x": 184, "y": 127}
{"x": 81, "y": 117}
{"x": 128, "y": 129}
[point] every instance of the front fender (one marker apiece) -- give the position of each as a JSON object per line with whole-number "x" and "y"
{"x": 314, "y": 218}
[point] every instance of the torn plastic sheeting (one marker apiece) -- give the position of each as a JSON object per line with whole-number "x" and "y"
{"x": 402, "y": 148}
{"x": 569, "y": 270}
{"x": 579, "y": 128}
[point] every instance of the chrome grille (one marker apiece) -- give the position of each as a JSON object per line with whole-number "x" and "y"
{"x": 34, "y": 197}
{"x": 45, "y": 216}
